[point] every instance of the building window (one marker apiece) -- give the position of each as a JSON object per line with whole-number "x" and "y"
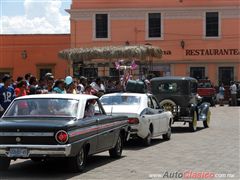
{"x": 197, "y": 72}
{"x": 154, "y": 25}
{"x": 91, "y": 72}
{"x": 212, "y": 24}
{"x": 115, "y": 73}
{"x": 101, "y": 25}
{"x": 43, "y": 69}
{"x": 225, "y": 75}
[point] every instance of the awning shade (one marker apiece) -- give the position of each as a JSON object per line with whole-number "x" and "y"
{"x": 111, "y": 52}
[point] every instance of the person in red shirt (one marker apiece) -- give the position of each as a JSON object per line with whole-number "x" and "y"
{"x": 21, "y": 89}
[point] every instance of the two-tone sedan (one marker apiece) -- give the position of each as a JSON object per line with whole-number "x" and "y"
{"x": 70, "y": 126}
{"x": 145, "y": 117}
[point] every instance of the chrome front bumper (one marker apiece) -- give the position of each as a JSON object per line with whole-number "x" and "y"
{"x": 38, "y": 150}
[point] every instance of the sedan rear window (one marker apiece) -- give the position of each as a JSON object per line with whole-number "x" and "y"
{"x": 120, "y": 100}
{"x": 43, "y": 108}
{"x": 168, "y": 87}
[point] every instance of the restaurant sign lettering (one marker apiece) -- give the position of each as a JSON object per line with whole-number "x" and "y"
{"x": 212, "y": 52}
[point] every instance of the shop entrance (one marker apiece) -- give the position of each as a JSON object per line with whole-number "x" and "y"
{"x": 197, "y": 72}
{"x": 226, "y": 75}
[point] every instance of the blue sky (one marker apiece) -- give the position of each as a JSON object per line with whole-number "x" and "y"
{"x": 34, "y": 16}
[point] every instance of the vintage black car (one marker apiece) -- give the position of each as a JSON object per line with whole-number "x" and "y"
{"x": 179, "y": 95}
{"x": 67, "y": 126}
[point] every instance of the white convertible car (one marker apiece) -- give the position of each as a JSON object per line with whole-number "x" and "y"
{"x": 146, "y": 118}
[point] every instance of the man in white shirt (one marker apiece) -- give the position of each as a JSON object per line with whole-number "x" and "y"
{"x": 98, "y": 86}
{"x": 233, "y": 90}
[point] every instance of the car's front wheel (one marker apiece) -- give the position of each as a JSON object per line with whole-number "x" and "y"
{"x": 167, "y": 136}
{"x": 116, "y": 152}
{"x": 206, "y": 123}
{"x": 4, "y": 163}
{"x": 78, "y": 162}
{"x": 193, "y": 123}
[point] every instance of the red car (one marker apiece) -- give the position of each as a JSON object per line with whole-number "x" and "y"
{"x": 207, "y": 91}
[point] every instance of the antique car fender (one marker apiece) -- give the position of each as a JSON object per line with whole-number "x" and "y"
{"x": 203, "y": 110}
{"x": 169, "y": 116}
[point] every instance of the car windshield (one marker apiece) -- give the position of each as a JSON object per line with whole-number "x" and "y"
{"x": 43, "y": 108}
{"x": 204, "y": 85}
{"x": 120, "y": 100}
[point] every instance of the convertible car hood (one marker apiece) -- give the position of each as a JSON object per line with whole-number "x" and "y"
{"x": 122, "y": 109}
{"x": 35, "y": 124}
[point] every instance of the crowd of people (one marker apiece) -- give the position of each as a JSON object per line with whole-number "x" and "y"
{"x": 29, "y": 85}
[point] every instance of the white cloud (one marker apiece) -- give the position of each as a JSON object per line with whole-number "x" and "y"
{"x": 39, "y": 18}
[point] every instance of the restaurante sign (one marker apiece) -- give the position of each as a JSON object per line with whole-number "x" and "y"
{"x": 212, "y": 52}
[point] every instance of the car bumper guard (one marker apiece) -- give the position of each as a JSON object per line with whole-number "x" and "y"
{"x": 36, "y": 150}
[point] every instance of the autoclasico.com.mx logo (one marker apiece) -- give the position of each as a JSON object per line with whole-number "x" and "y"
{"x": 191, "y": 175}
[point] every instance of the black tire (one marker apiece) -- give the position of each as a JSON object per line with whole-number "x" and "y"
{"x": 167, "y": 136}
{"x": 206, "y": 123}
{"x": 78, "y": 162}
{"x": 116, "y": 152}
{"x": 148, "y": 140}
{"x": 212, "y": 102}
{"x": 4, "y": 163}
{"x": 193, "y": 123}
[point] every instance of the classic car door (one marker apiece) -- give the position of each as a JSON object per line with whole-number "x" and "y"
{"x": 163, "y": 121}
{"x": 90, "y": 125}
{"x": 106, "y": 134}
{"x": 154, "y": 117}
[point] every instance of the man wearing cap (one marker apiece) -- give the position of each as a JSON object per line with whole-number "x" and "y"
{"x": 6, "y": 94}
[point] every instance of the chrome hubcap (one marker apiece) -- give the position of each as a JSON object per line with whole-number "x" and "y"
{"x": 168, "y": 107}
{"x": 81, "y": 157}
{"x": 119, "y": 145}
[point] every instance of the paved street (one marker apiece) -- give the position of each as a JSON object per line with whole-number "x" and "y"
{"x": 213, "y": 150}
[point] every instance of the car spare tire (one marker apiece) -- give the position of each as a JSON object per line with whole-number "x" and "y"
{"x": 168, "y": 104}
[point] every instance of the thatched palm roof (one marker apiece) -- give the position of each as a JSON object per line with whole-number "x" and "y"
{"x": 110, "y": 52}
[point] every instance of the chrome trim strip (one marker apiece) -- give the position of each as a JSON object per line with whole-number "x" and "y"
{"x": 104, "y": 132}
{"x": 81, "y": 131}
{"x": 39, "y": 149}
{"x": 28, "y": 134}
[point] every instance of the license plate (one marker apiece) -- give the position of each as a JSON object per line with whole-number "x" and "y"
{"x": 18, "y": 152}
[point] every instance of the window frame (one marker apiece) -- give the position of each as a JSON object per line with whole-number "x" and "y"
{"x": 147, "y": 26}
{"x": 205, "y": 26}
{"x": 45, "y": 66}
{"x": 95, "y": 30}
{"x": 195, "y": 67}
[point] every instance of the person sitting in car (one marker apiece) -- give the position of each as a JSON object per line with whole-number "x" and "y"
{"x": 90, "y": 108}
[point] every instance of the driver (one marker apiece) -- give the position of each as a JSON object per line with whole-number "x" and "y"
{"x": 90, "y": 108}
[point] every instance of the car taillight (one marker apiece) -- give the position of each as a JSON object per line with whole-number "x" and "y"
{"x": 133, "y": 120}
{"x": 61, "y": 137}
